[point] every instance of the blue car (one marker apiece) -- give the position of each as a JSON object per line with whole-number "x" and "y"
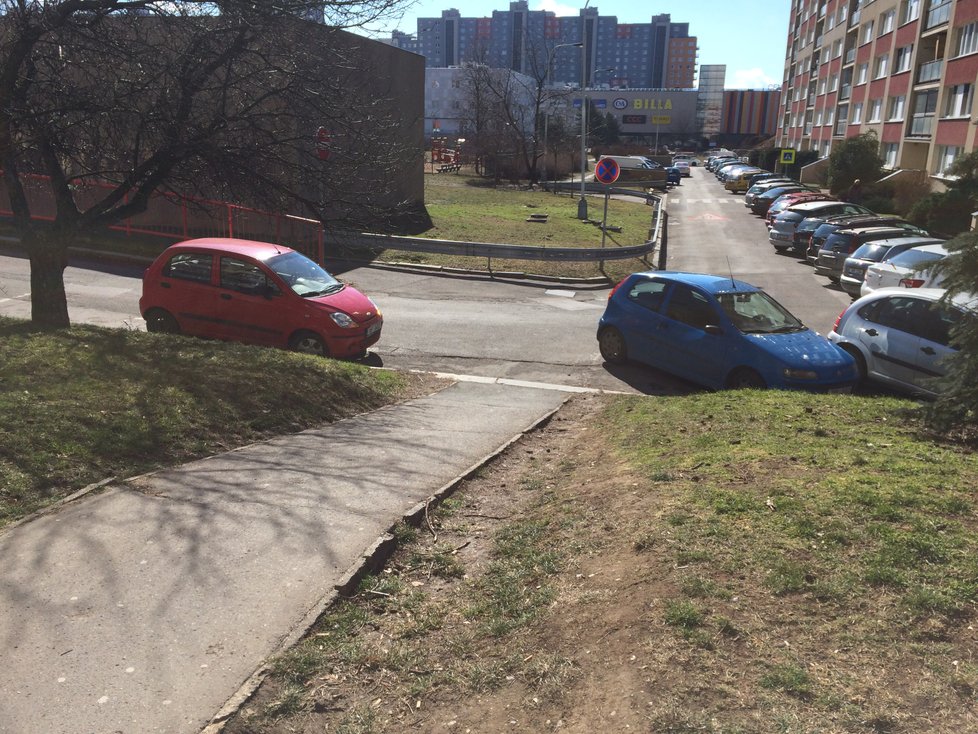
{"x": 718, "y": 332}
{"x": 673, "y": 176}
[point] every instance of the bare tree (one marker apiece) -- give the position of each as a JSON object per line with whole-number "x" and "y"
{"x": 216, "y": 99}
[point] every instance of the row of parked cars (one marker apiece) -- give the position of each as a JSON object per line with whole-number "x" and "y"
{"x": 898, "y": 328}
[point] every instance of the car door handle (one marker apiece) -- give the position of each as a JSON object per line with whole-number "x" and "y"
{"x": 929, "y": 351}
{"x": 872, "y": 332}
{"x": 226, "y": 296}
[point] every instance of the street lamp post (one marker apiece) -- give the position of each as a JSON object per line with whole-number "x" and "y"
{"x": 582, "y": 204}
{"x": 546, "y": 118}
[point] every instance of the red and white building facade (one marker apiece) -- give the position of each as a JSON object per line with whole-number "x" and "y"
{"x": 905, "y": 69}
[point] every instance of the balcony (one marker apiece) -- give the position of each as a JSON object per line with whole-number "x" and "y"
{"x": 938, "y": 14}
{"x": 930, "y": 71}
{"x": 845, "y": 92}
{"x": 854, "y": 18}
{"x": 840, "y": 129}
{"x": 921, "y": 125}
{"x": 850, "y": 57}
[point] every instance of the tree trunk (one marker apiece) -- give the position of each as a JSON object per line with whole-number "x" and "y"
{"x": 49, "y": 258}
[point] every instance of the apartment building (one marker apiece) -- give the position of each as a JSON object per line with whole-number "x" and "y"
{"x": 566, "y": 50}
{"x": 904, "y": 69}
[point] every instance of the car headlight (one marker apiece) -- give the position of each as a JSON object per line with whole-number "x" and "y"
{"x": 793, "y": 374}
{"x": 342, "y": 320}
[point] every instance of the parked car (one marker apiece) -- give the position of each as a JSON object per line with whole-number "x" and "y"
{"x": 789, "y": 200}
{"x": 718, "y": 332}
{"x": 854, "y": 268}
{"x": 763, "y": 201}
{"x": 673, "y": 176}
{"x": 718, "y": 160}
{"x": 738, "y": 181}
{"x": 862, "y": 220}
{"x": 759, "y": 188}
{"x": 683, "y": 167}
{"x": 727, "y": 167}
{"x": 842, "y": 243}
{"x": 782, "y": 232}
{"x": 767, "y": 176}
{"x": 901, "y": 338}
{"x": 910, "y": 269}
{"x": 257, "y": 293}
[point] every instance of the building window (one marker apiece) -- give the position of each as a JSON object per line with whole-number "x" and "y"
{"x": 882, "y": 66}
{"x": 834, "y": 83}
{"x": 837, "y": 49}
{"x": 910, "y": 11}
{"x": 946, "y": 155}
{"x": 862, "y": 73}
{"x": 886, "y": 22}
{"x": 875, "y": 110}
{"x": 967, "y": 39}
{"x": 821, "y": 86}
{"x": 867, "y": 34}
{"x": 958, "y": 99}
{"x": 897, "y": 107}
{"x": 903, "y": 58}
{"x": 890, "y": 154}
{"x": 857, "y": 113}
{"x": 818, "y": 118}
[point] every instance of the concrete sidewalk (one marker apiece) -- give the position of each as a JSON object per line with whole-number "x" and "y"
{"x": 147, "y": 607}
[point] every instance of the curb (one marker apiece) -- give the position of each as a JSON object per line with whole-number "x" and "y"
{"x": 372, "y": 559}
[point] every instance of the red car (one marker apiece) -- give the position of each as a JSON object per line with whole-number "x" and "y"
{"x": 257, "y": 293}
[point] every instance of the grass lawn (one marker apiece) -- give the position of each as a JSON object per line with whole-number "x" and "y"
{"x": 81, "y": 405}
{"x": 466, "y": 208}
{"x": 749, "y": 563}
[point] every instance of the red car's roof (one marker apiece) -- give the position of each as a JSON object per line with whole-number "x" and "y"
{"x": 251, "y": 248}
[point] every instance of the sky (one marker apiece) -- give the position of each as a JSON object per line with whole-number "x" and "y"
{"x": 748, "y": 36}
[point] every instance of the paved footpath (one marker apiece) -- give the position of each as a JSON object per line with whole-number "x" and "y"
{"x": 146, "y": 607}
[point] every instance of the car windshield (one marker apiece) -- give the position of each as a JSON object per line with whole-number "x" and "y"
{"x": 304, "y": 276}
{"x": 755, "y": 312}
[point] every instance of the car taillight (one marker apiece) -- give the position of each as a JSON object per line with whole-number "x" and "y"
{"x": 617, "y": 286}
{"x": 912, "y": 282}
{"x": 835, "y": 326}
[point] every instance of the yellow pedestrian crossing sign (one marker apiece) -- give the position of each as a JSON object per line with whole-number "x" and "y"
{"x": 788, "y": 155}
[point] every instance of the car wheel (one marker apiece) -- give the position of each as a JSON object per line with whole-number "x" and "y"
{"x": 308, "y": 343}
{"x": 611, "y": 342}
{"x": 159, "y": 321}
{"x": 834, "y": 278}
{"x": 745, "y": 379}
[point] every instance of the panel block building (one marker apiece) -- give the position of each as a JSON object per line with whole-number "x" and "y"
{"x": 904, "y": 69}
{"x": 589, "y": 48}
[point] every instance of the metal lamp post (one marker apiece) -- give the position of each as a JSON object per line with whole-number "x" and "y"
{"x": 582, "y": 204}
{"x": 546, "y": 117}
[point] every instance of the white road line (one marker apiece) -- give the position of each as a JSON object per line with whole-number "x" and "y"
{"x": 21, "y": 297}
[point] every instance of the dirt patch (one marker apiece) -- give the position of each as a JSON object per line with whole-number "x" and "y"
{"x": 604, "y": 627}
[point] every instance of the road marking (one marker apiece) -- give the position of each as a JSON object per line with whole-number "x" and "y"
{"x": 520, "y": 383}
{"x": 561, "y": 293}
{"x": 16, "y": 298}
{"x": 711, "y": 217}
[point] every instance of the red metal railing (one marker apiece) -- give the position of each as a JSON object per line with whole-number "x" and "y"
{"x": 183, "y": 217}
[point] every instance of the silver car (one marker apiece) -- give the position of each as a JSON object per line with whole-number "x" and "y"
{"x": 901, "y": 337}
{"x": 870, "y": 253}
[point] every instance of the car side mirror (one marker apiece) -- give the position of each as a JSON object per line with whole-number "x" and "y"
{"x": 713, "y": 329}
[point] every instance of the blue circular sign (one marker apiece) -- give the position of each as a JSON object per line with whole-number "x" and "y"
{"x": 607, "y": 171}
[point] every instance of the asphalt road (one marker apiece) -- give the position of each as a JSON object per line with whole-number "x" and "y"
{"x": 710, "y": 230}
{"x": 507, "y": 330}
